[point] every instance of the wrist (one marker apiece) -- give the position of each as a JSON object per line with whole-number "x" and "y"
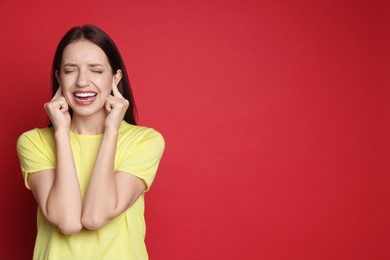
{"x": 111, "y": 131}
{"x": 61, "y": 132}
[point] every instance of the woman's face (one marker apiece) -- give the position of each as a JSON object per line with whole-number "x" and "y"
{"x": 85, "y": 77}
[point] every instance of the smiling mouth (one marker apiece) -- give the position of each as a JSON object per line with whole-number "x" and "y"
{"x": 84, "y": 98}
{"x": 84, "y": 95}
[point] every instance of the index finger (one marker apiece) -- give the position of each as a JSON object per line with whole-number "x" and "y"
{"x": 58, "y": 93}
{"x": 115, "y": 90}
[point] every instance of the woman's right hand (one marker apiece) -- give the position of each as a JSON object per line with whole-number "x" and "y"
{"x": 58, "y": 111}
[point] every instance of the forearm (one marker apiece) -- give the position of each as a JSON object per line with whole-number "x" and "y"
{"x": 101, "y": 200}
{"x": 64, "y": 203}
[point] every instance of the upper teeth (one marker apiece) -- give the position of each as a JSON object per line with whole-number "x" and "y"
{"x": 85, "y": 94}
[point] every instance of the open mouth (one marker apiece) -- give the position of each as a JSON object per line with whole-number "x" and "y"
{"x": 84, "y": 98}
{"x": 84, "y": 95}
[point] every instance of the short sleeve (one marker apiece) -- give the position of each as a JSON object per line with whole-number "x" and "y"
{"x": 142, "y": 158}
{"x": 34, "y": 154}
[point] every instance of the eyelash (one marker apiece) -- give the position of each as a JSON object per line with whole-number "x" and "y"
{"x": 95, "y": 71}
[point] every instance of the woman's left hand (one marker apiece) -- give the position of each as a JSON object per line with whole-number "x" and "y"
{"x": 116, "y": 107}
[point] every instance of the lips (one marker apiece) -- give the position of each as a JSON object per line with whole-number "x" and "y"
{"x": 84, "y": 98}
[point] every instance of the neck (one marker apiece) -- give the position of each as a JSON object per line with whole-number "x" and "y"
{"x": 89, "y": 125}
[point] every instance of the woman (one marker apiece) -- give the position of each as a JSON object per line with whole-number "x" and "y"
{"x": 90, "y": 169}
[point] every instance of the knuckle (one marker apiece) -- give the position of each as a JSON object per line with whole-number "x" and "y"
{"x": 48, "y": 105}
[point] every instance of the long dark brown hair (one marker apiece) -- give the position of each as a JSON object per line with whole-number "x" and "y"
{"x": 101, "y": 39}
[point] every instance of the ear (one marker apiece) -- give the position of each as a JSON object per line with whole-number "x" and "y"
{"x": 117, "y": 77}
{"x": 57, "y": 77}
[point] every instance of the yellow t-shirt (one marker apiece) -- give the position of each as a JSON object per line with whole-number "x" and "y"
{"x": 138, "y": 152}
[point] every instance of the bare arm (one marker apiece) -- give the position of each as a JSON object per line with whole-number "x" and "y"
{"x": 109, "y": 193}
{"x": 58, "y": 191}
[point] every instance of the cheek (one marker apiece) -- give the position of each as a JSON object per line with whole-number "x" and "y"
{"x": 67, "y": 93}
{"x": 67, "y": 82}
{"x": 105, "y": 86}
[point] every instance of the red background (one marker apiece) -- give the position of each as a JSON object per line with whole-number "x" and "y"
{"x": 275, "y": 115}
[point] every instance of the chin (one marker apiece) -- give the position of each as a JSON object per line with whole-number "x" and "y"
{"x": 86, "y": 111}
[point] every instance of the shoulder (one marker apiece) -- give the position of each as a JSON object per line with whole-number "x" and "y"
{"x": 36, "y": 136}
{"x": 138, "y": 132}
{"x": 135, "y": 134}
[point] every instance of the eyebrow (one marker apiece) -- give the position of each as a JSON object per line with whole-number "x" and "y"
{"x": 89, "y": 65}
{"x": 95, "y": 65}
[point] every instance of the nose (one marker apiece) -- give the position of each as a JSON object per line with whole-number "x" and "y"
{"x": 82, "y": 79}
